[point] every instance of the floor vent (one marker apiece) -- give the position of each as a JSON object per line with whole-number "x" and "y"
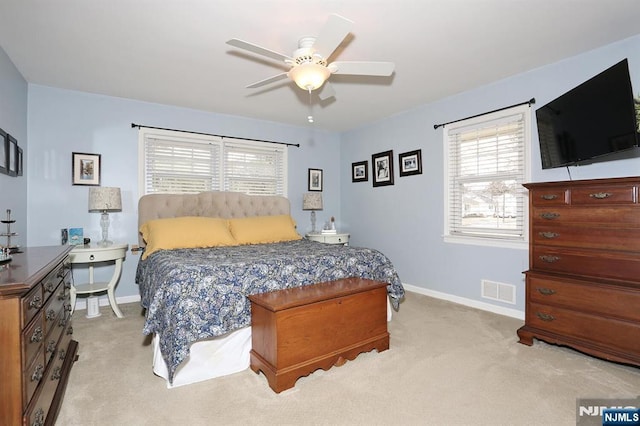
{"x": 498, "y": 291}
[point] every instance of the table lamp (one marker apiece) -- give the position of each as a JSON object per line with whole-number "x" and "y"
{"x": 313, "y": 202}
{"x": 104, "y": 200}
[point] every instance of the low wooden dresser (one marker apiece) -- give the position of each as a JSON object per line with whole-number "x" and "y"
{"x": 583, "y": 282}
{"x": 35, "y": 335}
{"x": 298, "y": 330}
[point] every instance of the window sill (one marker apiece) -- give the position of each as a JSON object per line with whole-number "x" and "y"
{"x": 487, "y": 242}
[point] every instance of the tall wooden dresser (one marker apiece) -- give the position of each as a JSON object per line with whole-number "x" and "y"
{"x": 583, "y": 282}
{"x": 37, "y": 350}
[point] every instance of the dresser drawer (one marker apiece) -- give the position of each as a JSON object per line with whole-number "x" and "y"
{"x": 616, "y": 335}
{"x": 32, "y": 338}
{"x": 599, "y": 195}
{"x": 549, "y": 197}
{"x": 53, "y": 306}
{"x": 31, "y": 304}
{"x": 589, "y": 263}
{"x": 604, "y": 299}
{"x": 586, "y": 237}
{"x": 626, "y": 216}
{"x": 32, "y": 376}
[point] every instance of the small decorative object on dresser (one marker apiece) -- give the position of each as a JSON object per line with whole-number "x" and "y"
{"x": 583, "y": 282}
{"x": 36, "y": 334}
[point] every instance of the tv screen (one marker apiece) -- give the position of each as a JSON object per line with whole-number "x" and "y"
{"x": 593, "y": 122}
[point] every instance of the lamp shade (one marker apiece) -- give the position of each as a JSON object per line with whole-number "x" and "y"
{"x": 105, "y": 199}
{"x": 312, "y": 201}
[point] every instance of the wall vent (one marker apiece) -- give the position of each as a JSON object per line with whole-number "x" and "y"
{"x": 498, "y": 291}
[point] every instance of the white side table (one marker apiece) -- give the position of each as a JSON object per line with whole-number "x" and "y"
{"x": 93, "y": 254}
{"x": 337, "y": 238}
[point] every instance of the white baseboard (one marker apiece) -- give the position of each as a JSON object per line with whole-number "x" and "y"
{"x": 514, "y": 313}
{"x": 81, "y": 302}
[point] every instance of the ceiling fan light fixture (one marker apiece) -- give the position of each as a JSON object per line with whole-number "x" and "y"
{"x": 309, "y": 76}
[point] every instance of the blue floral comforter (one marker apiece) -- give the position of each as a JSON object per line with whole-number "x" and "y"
{"x": 194, "y": 294}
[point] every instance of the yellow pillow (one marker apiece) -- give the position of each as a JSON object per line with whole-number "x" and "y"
{"x": 263, "y": 229}
{"x": 185, "y": 232}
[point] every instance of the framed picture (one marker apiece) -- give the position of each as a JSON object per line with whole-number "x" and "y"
{"x": 382, "y": 168}
{"x": 315, "y": 179}
{"x": 20, "y": 160}
{"x": 4, "y": 144}
{"x": 76, "y": 236}
{"x": 85, "y": 169}
{"x": 12, "y": 156}
{"x": 410, "y": 163}
{"x": 360, "y": 171}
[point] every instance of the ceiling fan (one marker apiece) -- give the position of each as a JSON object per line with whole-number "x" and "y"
{"x": 309, "y": 63}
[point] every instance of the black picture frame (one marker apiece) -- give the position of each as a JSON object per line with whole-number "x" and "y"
{"x": 86, "y": 169}
{"x": 410, "y": 163}
{"x": 20, "y": 160}
{"x": 4, "y": 158}
{"x": 315, "y": 180}
{"x": 360, "y": 171}
{"x": 382, "y": 168}
{"x": 12, "y": 155}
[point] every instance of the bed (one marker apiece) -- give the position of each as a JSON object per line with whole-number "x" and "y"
{"x": 205, "y": 253}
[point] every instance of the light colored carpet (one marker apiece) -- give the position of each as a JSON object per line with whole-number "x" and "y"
{"x": 448, "y": 365}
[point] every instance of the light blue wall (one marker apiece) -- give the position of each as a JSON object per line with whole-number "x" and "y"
{"x": 63, "y": 121}
{"x": 13, "y": 120}
{"x": 405, "y": 221}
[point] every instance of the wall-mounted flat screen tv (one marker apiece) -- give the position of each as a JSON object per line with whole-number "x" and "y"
{"x": 595, "y": 121}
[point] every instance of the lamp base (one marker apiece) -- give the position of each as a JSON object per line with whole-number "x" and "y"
{"x": 105, "y": 243}
{"x": 313, "y": 221}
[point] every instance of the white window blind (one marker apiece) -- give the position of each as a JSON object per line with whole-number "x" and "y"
{"x": 486, "y": 167}
{"x": 180, "y": 162}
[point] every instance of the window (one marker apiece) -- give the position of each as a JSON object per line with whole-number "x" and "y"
{"x": 180, "y": 162}
{"x": 485, "y": 167}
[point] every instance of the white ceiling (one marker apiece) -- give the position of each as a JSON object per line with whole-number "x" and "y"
{"x": 174, "y": 51}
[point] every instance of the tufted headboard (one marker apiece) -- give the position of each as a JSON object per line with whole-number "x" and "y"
{"x": 210, "y": 204}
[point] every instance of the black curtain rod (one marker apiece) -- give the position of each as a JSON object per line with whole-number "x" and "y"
{"x": 210, "y": 134}
{"x": 529, "y": 102}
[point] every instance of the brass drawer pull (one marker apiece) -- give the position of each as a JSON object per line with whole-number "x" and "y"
{"x": 549, "y": 197}
{"x": 36, "y": 302}
{"x": 546, "y": 291}
{"x": 550, "y": 215}
{"x": 549, "y": 258}
{"x": 51, "y": 315}
{"x": 549, "y": 235}
{"x": 600, "y": 195}
{"x": 51, "y": 347}
{"x": 37, "y": 373}
{"x": 545, "y": 317}
{"x": 56, "y": 373}
{"x": 38, "y": 419}
{"x": 36, "y": 336}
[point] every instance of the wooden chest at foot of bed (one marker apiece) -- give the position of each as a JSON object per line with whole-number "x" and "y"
{"x": 299, "y": 330}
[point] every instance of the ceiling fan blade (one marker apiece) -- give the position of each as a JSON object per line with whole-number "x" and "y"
{"x": 268, "y": 80}
{"x": 326, "y": 91}
{"x": 381, "y": 69}
{"x": 332, "y": 34}
{"x": 258, "y": 49}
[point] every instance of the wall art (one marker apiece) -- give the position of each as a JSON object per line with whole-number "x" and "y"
{"x": 382, "y": 168}
{"x": 85, "y": 169}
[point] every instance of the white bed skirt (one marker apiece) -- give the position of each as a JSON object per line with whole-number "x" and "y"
{"x": 211, "y": 358}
